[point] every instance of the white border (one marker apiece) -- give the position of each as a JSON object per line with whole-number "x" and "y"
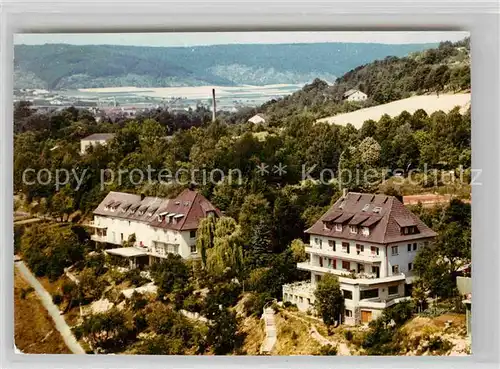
{"x": 480, "y": 18}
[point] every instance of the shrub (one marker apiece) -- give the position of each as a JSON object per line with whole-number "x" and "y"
{"x": 439, "y": 345}
{"x": 255, "y": 302}
{"x": 57, "y": 299}
{"x": 26, "y": 291}
{"x": 328, "y": 350}
{"x": 135, "y": 278}
{"x": 348, "y": 335}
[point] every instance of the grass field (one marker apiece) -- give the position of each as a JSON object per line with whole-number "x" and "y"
{"x": 429, "y": 103}
{"x": 34, "y": 330}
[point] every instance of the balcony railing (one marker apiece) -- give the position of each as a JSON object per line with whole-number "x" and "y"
{"x": 98, "y": 238}
{"x": 353, "y": 256}
{"x": 351, "y": 278}
{"x": 377, "y": 303}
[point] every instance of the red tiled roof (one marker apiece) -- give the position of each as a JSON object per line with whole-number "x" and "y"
{"x": 187, "y": 209}
{"x": 385, "y": 223}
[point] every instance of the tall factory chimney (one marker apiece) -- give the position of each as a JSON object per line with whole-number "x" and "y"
{"x": 213, "y": 105}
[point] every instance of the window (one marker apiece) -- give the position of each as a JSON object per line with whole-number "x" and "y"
{"x": 192, "y": 234}
{"x": 193, "y": 249}
{"x": 316, "y": 240}
{"x": 308, "y": 301}
{"x": 329, "y": 263}
{"x": 409, "y": 247}
{"x": 368, "y": 294}
{"x": 374, "y": 250}
{"x": 347, "y": 294}
{"x": 395, "y": 269}
{"x": 301, "y": 299}
{"x": 348, "y": 313}
{"x": 346, "y": 247}
{"x": 353, "y": 229}
{"x": 320, "y": 243}
{"x": 334, "y": 263}
{"x": 360, "y": 248}
{"x": 410, "y": 266}
{"x": 338, "y": 227}
{"x": 346, "y": 265}
{"x": 394, "y": 250}
{"x": 318, "y": 278}
{"x": 377, "y": 209}
{"x": 415, "y": 246}
{"x": 393, "y": 290}
{"x": 331, "y": 243}
{"x": 366, "y": 231}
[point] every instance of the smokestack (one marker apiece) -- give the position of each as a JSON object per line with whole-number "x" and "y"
{"x": 213, "y": 105}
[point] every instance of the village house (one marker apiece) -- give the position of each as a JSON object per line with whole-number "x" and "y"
{"x": 370, "y": 242}
{"x": 155, "y": 226}
{"x": 354, "y": 95}
{"x": 92, "y": 140}
{"x": 257, "y": 118}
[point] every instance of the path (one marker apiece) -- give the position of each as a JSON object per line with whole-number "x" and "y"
{"x": 342, "y": 348}
{"x": 270, "y": 329}
{"x": 55, "y": 314}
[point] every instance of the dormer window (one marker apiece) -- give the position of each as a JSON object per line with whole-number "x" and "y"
{"x": 409, "y": 230}
{"x": 377, "y": 209}
{"x": 365, "y": 208}
{"x": 338, "y": 227}
{"x": 365, "y": 231}
{"x": 353, "y": 229}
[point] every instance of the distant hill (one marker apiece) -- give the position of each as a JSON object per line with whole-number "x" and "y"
{"x": 445, "y": 68}
{"x": 62, "y": 66}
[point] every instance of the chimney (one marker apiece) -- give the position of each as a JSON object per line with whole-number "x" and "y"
{"x": 214, "y": 109}
{"x": 344, "y": 193}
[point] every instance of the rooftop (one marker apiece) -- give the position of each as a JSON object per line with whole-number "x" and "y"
{"x": 384, "y": 216}
{"x": 99, "y": 137}
{"x": 181, "y": 213}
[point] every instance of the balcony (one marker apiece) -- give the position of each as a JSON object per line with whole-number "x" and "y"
{"x": 365, "y": 257}
{"x": 97, "y": 226}
{"x": 377, "y": 303}
{"x": 302, "y": 288}
{"x": 98, "y": 238}
{"x": 346, "y": 277}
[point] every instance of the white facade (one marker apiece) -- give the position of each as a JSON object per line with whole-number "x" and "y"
{"x": 257, "y": 119}
{"x": 84, "y": 144}
{"x": 159, "y": 242}
{"x": 372, "y": 276}
{"x": 357, "y": 96}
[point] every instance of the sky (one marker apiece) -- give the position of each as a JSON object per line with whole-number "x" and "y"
{"x": 218, "y": 38}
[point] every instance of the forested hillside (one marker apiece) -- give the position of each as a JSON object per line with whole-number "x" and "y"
{"x": 442, "y": 69}
{"x": 58, "y": 66}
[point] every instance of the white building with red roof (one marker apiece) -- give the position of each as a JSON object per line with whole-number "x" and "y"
{"x": 370, "y": 242}
{"x": 160, "y": 226}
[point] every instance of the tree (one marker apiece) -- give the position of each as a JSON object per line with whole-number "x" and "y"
{"x": 369, "y": 150}
{"x": 223, "y": 333}
{"x": 329, "y": 299}
{"x": 298, "y": 249}
{"x": 226, "y": 257}
{"x": 205, "y": 237}
{"x": 106, "y": 330}
{"x": 255, "y": 208}
{"x": 170, "y": 275}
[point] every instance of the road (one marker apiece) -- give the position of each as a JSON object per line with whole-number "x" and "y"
{"x": 52, "y": 309}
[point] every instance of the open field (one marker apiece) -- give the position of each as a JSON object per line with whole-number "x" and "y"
{"x": 34, "y": 330}
{"x": 429, "y": 103}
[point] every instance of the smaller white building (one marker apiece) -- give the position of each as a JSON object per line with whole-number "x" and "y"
{"x": 354, "y": 95}
{"x": 257, "y": 118}
{"x": 92, "y": 140}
